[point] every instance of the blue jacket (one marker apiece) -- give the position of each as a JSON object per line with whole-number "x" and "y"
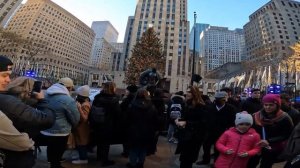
{"x": 67, "y": 114}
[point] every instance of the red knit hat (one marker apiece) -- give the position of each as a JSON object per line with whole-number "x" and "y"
{"x": 272, "y": 98}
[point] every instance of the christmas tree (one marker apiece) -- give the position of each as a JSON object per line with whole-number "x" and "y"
{"x": 146, "y": 53}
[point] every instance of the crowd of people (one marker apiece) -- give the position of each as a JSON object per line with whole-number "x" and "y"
{"x": 253, "y": 131}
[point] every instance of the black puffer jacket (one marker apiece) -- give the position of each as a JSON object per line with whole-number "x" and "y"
{"x": 293, "y": 146}
{"x": 192, "y": 135}
{"x": 108, "y": 130}
{"x": 26, "y": 118}
{"x": 142, "y": 121}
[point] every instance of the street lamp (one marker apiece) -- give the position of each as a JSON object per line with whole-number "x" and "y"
{"x": 194, "y": 51}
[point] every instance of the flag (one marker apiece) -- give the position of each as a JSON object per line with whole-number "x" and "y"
{"x": 248, "y": 84}
{"x": 242, "y": 77}
{"x": 264, "y": 78}
{"x": 269, "y": 81}
{"x": 279, "y": 74}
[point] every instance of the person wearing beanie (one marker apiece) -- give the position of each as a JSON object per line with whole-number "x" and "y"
{"x": 238, "y": 144}
{"x": 82, "y": 130}
{"x": 274, "y": 127}
{"x": 26, "y": 119}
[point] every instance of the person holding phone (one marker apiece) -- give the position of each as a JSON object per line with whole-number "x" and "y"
{"x": 24, "y": 117}
{"x": 192, "y": 128}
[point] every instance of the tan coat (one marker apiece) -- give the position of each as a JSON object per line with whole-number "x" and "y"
{"x": 11, "y": 138}
{"x": 82, "y": 131}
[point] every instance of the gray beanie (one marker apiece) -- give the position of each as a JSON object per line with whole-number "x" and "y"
{"x": 243, "y": 117}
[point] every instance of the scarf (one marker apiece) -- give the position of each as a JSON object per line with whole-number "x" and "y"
{"x": 262, "y": 118}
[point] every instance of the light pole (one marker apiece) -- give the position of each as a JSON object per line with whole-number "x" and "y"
{"x": 194, "y": 50}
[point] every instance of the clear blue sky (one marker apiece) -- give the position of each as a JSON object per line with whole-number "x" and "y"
{"x": 227, "y": 13}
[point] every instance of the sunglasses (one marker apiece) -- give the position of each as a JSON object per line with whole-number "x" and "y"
{"x": 246, "y": 124}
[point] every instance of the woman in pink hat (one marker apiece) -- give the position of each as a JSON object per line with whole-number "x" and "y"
{"x": 274, "y": 127}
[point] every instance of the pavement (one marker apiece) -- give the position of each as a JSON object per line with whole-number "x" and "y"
{"x": 164, "y": 158}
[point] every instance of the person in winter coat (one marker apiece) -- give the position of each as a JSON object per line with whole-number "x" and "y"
{"x": 104, "y": 132}
{"x": 14, "y": 141}
{"x": 127, "y": 100}
{"x": 253, "y": 103}
{"x": 25, "y": 118}
{"x": 238, "y": 144}
{"x": 192, "y": 128}
{"x": 175, "y": 107}
{"x": 288, "y": 108}
{"x": 221, "y": 117}
{"x": 158, "y": 102}
{"x": 274, "y": 127}
{"x": 142, "y": 125}
{"x": 82, "y": 130}
{"x": 292, "y": 151}
{"x": 67, "y": 117}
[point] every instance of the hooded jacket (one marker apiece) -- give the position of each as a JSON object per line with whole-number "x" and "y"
{"x": 67, "y": 114}
{"x": 175, "y": 99}
{"x": 233, "y": 139}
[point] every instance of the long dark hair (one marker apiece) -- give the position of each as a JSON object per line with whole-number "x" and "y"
{"x": 197, "y": 99}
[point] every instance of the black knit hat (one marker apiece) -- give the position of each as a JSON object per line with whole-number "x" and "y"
{"x": 132, "y": 88}
{"x": 5, "y": 63}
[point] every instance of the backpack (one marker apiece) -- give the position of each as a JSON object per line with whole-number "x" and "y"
{"x": 97, "y": 115}
{"x": 175, "y": 110}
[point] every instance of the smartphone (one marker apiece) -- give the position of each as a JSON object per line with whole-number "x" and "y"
{"x": 37, "y": 86}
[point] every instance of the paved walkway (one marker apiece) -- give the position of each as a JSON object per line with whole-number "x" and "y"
{"x": 164, "y": 158}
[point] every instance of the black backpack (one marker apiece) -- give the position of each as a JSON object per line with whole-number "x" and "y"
{"x": 97, "y": 115}
{"x": 175, "y": 110}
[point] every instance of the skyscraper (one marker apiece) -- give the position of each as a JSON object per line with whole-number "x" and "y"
{"x": 7, "y": 8}
{"x": 219, "y": 46}
{"x": 106, "y": 34}
{"x": 169, "y": 20}
{"x": 199, "y": 28}
{"x": 68, "y": 41}
{"x": 271, "y": 30}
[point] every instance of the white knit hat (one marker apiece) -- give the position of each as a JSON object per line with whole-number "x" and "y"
{"x": 83, "y": 91}
{"x": 243, "y": 117}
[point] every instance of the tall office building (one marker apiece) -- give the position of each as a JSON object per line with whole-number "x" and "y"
{"x": 68, "y": 40}
{"x": 106, "y": 34}
{"x": 219, "y": 46}
{"x": 116, "y": 56}
{"x": 127, "y": 39}
{"x": 7, "y": 9}
{"x": 199, "y": 28}
{"x": 169, "y": 20}
{"x": 271, "y": 30}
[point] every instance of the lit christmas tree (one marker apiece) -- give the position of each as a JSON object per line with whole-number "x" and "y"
{"x": 147, "y": 53}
